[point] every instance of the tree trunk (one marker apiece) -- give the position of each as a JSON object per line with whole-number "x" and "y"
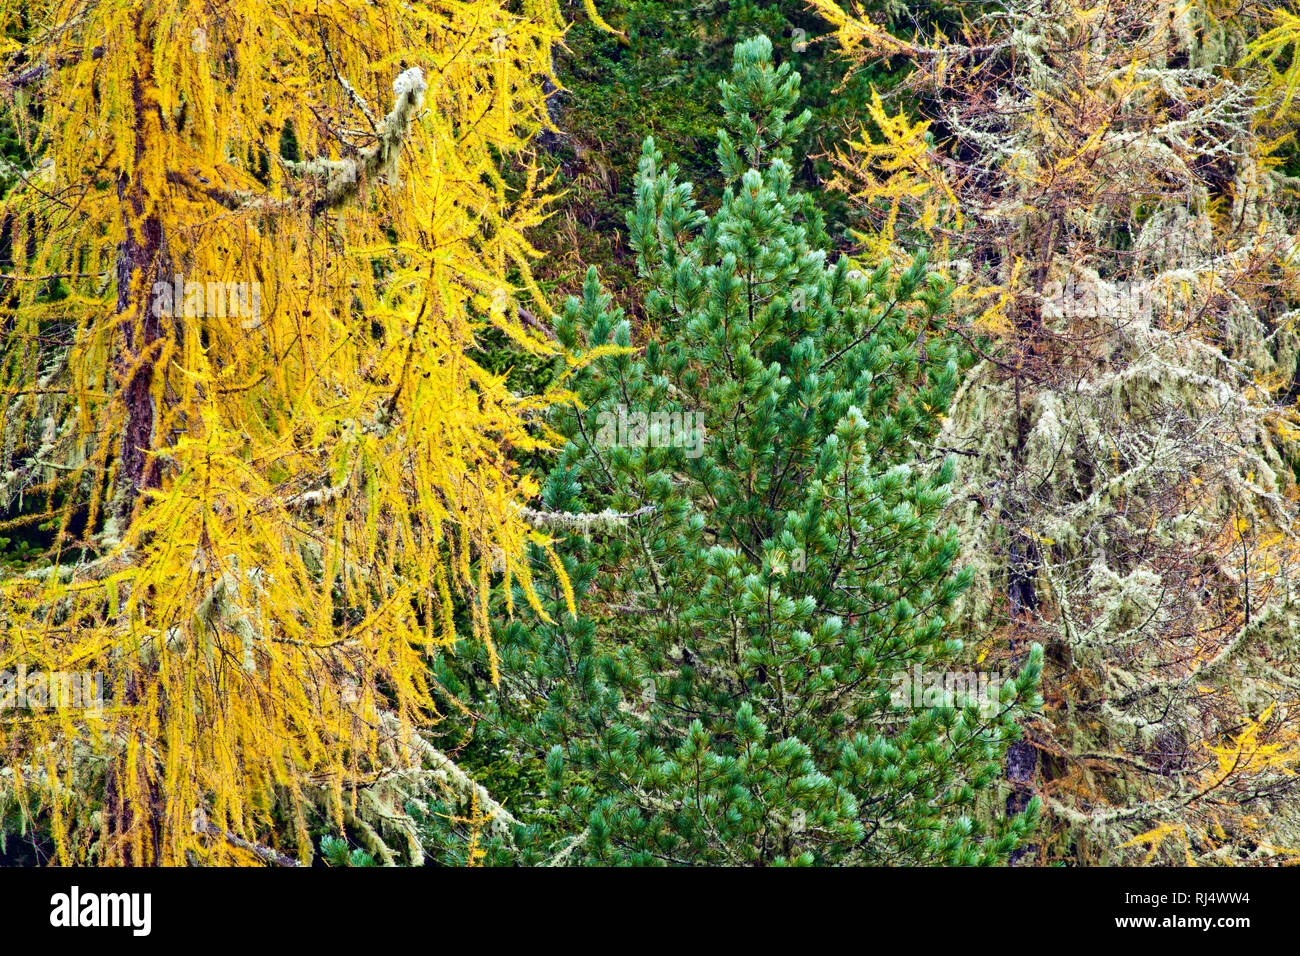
{"x": 142, "y": 262}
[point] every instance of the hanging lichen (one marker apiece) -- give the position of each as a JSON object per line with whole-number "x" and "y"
{"x": 1126, "y": 447}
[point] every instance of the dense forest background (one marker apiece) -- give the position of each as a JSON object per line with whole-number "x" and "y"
{"x": 689, "y": 433}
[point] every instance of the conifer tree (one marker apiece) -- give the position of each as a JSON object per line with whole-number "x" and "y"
{"x": 245, "y": 276}
{"x": 1112, "y": 188}
{"x": 753, "y": 548}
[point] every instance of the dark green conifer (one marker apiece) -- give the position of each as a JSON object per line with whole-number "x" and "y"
{"x": 730, "y": 690}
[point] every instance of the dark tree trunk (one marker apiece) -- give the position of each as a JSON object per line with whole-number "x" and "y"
{"x": 1022, "y": 597}
{"x": 142, "y": 261}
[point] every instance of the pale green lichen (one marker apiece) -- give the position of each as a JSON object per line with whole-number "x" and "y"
{"x": 1115, "y": 472}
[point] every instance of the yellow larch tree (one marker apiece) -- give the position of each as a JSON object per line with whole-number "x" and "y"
{"x": 246, "y": 272}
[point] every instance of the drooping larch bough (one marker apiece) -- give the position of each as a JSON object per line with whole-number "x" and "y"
{"x": 246, "y": 271}
{"x": 1110, "y": 191}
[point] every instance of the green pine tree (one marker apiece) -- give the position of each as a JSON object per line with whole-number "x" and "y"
{"x": 660, "y": 76}
{"x": 751, "y": 508}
